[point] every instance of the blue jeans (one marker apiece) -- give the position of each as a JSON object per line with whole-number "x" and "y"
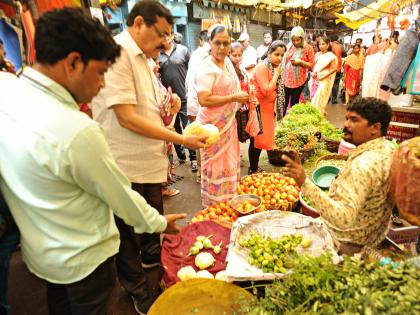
{"x": 8, "y": 244}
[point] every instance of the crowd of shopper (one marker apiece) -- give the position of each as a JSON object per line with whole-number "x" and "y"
{"x": 86, "y": 194}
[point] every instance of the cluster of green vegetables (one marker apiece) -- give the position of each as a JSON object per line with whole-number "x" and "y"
{"x": 299, "y": 128}
{"x": 317, "y": 286}
{"x": 204, "y": 242}
{"x": 273, "y": 255}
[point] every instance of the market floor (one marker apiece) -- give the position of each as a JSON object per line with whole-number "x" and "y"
{"x": 27, "y": 293}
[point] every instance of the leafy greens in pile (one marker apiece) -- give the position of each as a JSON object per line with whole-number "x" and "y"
{"x": 299, "y": 127}
{"x": 318, "y": 286}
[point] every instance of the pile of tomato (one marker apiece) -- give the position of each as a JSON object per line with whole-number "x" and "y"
{"x": 221, "y": 212}
{"x": 276, "y": 190}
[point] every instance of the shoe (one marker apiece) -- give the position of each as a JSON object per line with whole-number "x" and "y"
{"x": 194, "y": 166}
{"x": 169, "y": 192}
{"x": 142, "y": 308}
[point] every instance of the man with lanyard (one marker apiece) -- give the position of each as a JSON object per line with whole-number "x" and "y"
{"x": 357, "y": 208}
{"x": 173, "y": 68}
{"x": 128, "y": 108}
{"x": 57, "y": 173}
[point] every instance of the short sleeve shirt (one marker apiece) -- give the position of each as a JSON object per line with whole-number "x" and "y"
{"x": 131, "y": 81}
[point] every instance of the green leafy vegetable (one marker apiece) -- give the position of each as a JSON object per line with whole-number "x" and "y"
{"x": 317, "y": 286}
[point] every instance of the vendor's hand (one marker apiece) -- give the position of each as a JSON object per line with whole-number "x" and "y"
{"x": 176, "y": 104}
{"x": 195, "y": 142}
{"x": 294, "y": 168}
{"x": 241, "y": 97}
{"x": 171, "y": 227}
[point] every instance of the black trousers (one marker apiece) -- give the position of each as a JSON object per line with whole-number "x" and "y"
{"x": 253, "y": 155}
{"x": 89, "y": 296}
{"x": 292, "y": 95}
{"x": 335, "y": 89}
{"x": 181, "y": 122}
{"x": 137, "y": 248}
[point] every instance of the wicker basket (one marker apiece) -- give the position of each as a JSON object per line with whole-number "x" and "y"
{"x": 331, "y": 157}
{"x": 274, "y": 156}
{"x": 332, "y": 145}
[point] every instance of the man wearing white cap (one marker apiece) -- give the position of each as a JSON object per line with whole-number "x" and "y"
{"x": 249, "y": 59}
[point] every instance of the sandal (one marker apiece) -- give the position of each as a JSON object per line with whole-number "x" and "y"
{"x": 169, "y": 192}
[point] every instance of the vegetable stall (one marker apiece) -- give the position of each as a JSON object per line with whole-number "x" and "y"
{"x": 264, "y": 241}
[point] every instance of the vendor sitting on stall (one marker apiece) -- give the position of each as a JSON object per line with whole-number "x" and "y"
{"x": 357, "y": 208}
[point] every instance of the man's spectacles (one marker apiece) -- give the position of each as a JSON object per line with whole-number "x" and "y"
{"x": 219, "y": 43}
{"x": 161, "y": 35}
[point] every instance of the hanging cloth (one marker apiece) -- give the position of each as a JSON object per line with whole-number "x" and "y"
{"x": 29, "y": 27}
{"x": 11, "y": 44}
{"x": 411, "y": 80}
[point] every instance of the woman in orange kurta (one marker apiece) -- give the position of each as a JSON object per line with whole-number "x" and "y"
{"x": 269, "y": 88}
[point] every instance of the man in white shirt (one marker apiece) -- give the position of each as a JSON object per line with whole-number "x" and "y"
{"x": 249, "y": 57}
{"x": 56, "y": 171}
{"x": 128, "y": 108}
{"x": 262, "y": 49}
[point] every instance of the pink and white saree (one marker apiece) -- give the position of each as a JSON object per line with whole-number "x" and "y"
{"x": 220, "y": 163}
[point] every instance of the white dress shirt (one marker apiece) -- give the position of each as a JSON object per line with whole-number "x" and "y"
{"x": 197, "y": 56}
{"x": 131, "y": 81}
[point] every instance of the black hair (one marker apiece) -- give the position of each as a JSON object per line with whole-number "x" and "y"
{"x": 217, "y": 30}
{"x": 328, "y": 41}
{"x": 395, "y": 35}
{"x": 273, "y": 47}
{"x": 357, "y": 45}
{"x": 204, "y": 36}
{"x": 373, "y": 110}
{"x": 149, "y": 10}
{"x": 361, "y": 39}
{"x": 60, "y": 32}
{"x": 267, "y": 32}
{"x": 332, "y": 37}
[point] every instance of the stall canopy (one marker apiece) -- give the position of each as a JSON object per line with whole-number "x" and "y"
{"x": 373, "y": 11}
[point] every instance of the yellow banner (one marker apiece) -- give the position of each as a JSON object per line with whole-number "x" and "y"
{"x": 371, "y": 12}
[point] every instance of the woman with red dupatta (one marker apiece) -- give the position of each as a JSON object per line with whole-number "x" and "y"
{"x": 353, "y": 71}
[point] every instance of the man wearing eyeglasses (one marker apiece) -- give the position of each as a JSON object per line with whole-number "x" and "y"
{"x": 128, "y": 108}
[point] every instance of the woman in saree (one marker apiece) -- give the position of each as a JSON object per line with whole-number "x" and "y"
{"x": 323, "y": 75}
{"x": 219, "y": 95}
{"x": 298, "y": 59}
{"x": 353, "y": 71}
{"x": 268, "y": 78}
